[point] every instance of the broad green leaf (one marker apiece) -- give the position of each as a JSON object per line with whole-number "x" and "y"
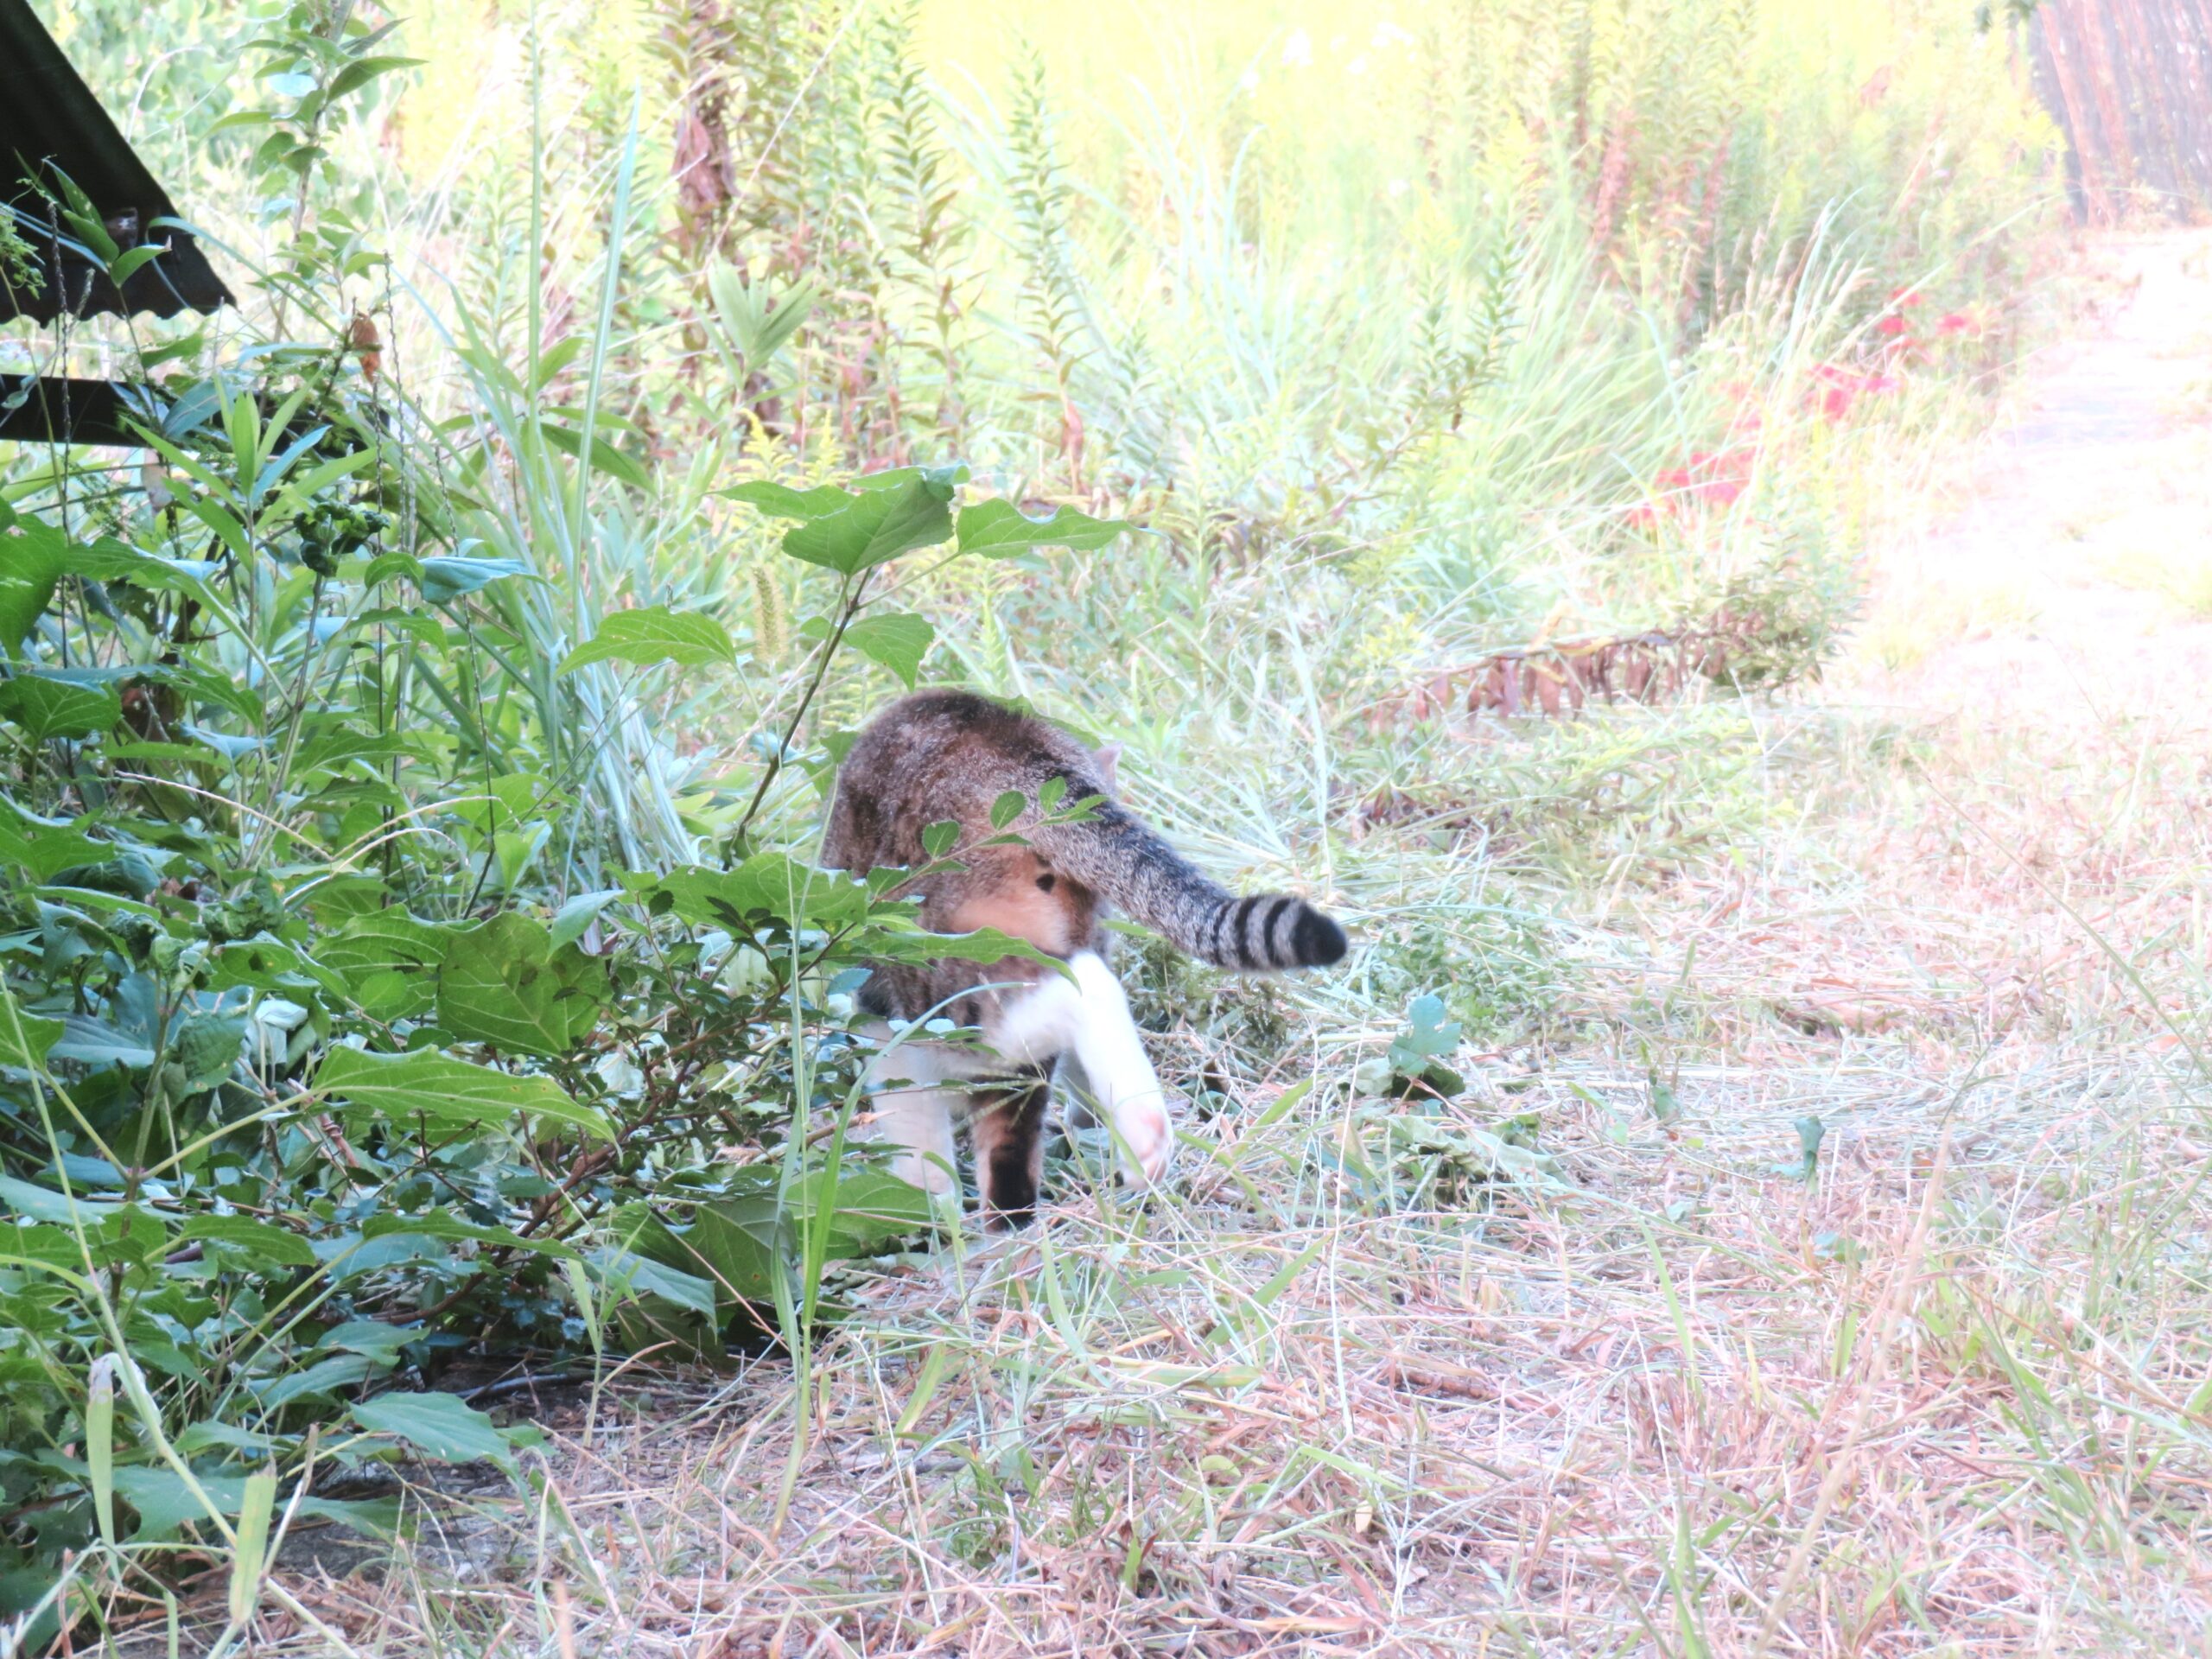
{"x": 448, "y": 579}
{"x": 203, "y": 1050}
{"x": 320, "y": 1380}
{"x": 502, "y": 982}
{"x": 47, "y": 849}
{"x": 767, "y": 887}
{"x": 898, "y": 642}
{"x": 438, "y": 1086}
{"x": 24, "y": 1037}
{"x": 998, "y": 529}
{"x": 370, "y": 1337}
{"x": 573, "y": 918}
{"x": 781, "y": 501}
{"x": 384, "y": 956}
{"x": 1008, "y": 807}
{"x": 34, "y": 557}
{"x": 44, "y": 1203}
{"x": 440, "y": 1425}
{"x": 655, "y": 634}
{"x": 879, "y": 525}
{"x": 164, "y": 1503}
{"x": 642, "y": 1275}
{"x": 261, "y": 1243}
{"x": 46, "y": 706}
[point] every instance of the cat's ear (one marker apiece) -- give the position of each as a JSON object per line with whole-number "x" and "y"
{"x": 1107, "y": 758}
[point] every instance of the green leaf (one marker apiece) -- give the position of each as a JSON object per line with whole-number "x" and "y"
{"x": 573, "y": 918}
{"x": 655, "y": 634}
{"x": 24, "y": 1037}
{"x": 322, "y": 1380}
{"x": 1810, "y": 1133}
{"x": 941, "y": 837}
{"x": 756, "y": 331}
{"x": 438, "y": 1086}
{"x": 34, "y": 557}
{"x": 448, "y": 579}
{"x": 1008, "y": 807}
{"x": 898, "y": 642}
{"x": 767, "y": 887}
{"x": 46, "y": 706}
{"x": 781, "y": 501}
{"x": 605, "y": 457}
{"x": 502, "y": 982}
{"x": 131, "y": 261}
{"x": 47, "y": 849}
{"x": 996, "y": 530}
{"x": 439, "y": 1426}
{"x": 1429, "y": 1035}
{"x": 383, "y": 954}
{"x": 361, "y": 71}
{"x": 260, "y": 1243}
{"x": 640, "y": 1275}
{"x": 44, "y": 1203}
{"x": 879, "y": 525}
{"x": 202, "y": 1051}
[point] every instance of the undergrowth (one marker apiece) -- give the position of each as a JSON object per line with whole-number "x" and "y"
{"x": 413, "y": 963}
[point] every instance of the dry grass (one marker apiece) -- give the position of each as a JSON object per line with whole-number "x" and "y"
{"x": 1947, "y": 1396}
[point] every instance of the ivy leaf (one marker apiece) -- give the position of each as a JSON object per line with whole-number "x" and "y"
{"x": 898, "y": 642}
{"x": 502, "y": 982}
{"x": 438, "y": 1086}
{"x": 879, "y": 525}
{"x": 997, "y": 529}
{"x": 655, "y": 634}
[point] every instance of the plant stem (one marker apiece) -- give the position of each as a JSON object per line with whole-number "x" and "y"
{"x": 847, "y": 607}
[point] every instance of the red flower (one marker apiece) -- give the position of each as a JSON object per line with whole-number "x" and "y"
{"x": 1721, "y": 491}
{"x": 1892, "y": 326}
{"x": 1906, "y": 297}
{"x": 1955, "y": 322}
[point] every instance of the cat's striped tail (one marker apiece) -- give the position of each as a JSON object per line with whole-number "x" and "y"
{"x": 1119, "y": 857}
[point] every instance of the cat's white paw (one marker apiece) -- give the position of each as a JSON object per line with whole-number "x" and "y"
{"x": 1148, "y": 1135}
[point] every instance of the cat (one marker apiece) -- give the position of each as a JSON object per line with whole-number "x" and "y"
{"x": 943, "y": 755}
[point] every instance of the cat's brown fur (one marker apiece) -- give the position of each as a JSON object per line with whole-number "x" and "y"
{"x": 950, "y": 756}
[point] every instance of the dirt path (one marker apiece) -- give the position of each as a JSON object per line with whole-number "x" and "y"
{"x": 2081, "y": 564}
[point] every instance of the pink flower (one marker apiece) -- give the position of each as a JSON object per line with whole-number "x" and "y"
{"x": 1955, "y": 322}
{"x": 1892, "y": 326}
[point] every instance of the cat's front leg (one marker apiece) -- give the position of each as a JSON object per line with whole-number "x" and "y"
{"x": 1127, "y": 1091}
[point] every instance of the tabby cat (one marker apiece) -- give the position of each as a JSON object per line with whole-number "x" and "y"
{"x": 950, "y": 756}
